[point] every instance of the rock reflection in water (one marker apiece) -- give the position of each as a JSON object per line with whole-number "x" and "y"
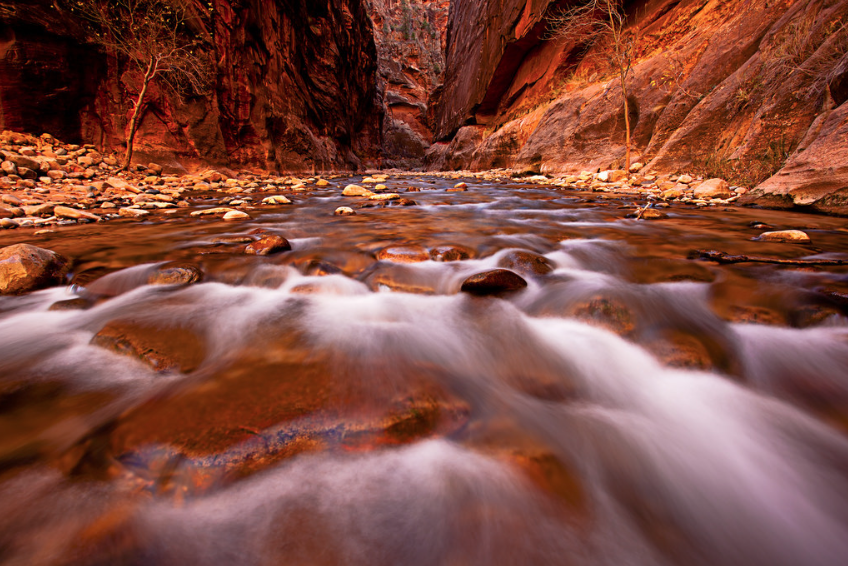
{"x": 329, "y": 405}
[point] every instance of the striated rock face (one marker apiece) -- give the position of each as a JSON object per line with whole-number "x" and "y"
{"x": 410, "y": 36}
{"x": 295, "y": 88}
{"x": 741, "y": 83}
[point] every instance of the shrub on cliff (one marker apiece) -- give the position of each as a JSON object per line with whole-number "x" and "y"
{"x": 152, "y": 36}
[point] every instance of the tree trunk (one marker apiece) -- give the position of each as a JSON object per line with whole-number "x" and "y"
{"x": 137, "y": 112}
{"x": 626, "y": 126}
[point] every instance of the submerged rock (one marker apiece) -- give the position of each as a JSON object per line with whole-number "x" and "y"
{"x": 25, "y": 268}
{"x": 163, "y": 349}
{"x": 403, "y": 254}
{"x": 526, "y": 263}
{"x": 493, "y": 282}
{"x": 175, "y": 274}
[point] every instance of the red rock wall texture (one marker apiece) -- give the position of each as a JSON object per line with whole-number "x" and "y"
{"x": 295, "y": 88}
{"x": 708, "y": 82}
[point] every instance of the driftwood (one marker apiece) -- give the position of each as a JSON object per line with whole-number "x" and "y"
{"x": 725, "y": 258}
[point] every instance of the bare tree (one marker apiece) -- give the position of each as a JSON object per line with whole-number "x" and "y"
{"x": 601, "y": 22}
{"x": 151, "y": 35}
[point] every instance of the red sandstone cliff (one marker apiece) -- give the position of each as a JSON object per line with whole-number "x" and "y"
{"x": 295, "y": 87}
{"x": 714, "y": 80}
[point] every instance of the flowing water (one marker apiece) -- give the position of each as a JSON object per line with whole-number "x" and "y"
{"x": 318, "y": 406}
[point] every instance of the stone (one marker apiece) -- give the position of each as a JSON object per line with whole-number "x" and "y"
{"x": 653, "y": 214}
{"x": 493, "y": 282}
{"x": 459, "y": 188}
{"x": 385, "y": 196}
{"x": 356, "y": 191}
{"x": 213, "y": 211}
{"x": 268, "y": 245}
{"x": 25, "y": 268}
{"x": 450, "y": 253}
{"x": 9, "y": 168}
{"x": 27, "y": 173}
{"x": 278, "y": 199}
{"x": 713, "y": 188}
{"x": 129, "y": 212}
{"x": 344, "y": 211}
{"x": 685, "y": 179}
{"x": 75, "y": 214}
{"x": 671, "y": 194}
{"x": 636, "y": 167}
{"x": 322, "y": 183}
{"x": 70, "y": 305}
{"x": 612, "y": 176}
{"x": 404, "y": 254}
{"x": 120, "y": 184}
{"x": 162, "y": 348}
{"x": 236, "y": 215}
{"x": 175, "y": 274}
{"x": 154, "y": 168}
{"x": 380, "y": 187}
{"x": 45, "y": 209}
{"x": 785, "y": 236}
{"x": 526, "y": 263}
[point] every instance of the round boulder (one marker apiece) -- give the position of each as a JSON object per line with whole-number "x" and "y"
{"x": 526, "y": 263}
{"x": 493, "y": 282}
{"x": 25, "y": 268}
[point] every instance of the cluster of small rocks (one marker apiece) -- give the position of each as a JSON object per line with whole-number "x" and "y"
{"x": 47, "y": 183}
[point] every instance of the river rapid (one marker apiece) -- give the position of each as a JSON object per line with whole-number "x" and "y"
{"x": 321, "y": 406}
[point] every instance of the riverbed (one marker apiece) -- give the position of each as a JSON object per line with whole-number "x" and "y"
{"x": 344, "y": 402}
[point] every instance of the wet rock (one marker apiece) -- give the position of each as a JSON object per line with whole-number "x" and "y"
{"x": 278, "y": 199}
{"x": 268, "y": 245}
{"x": 356, "y": 191}
{"x": 605, "y": 312}
{"x": 162, "y": 348}
{"x": 403, "y": 202}
{"x": 213, "y": 211}
{"x": 118, "y": 183}
{"x": 25, "y": 268}
{"x": 236, "y": 215}
{"x": 493, "y": 282}
{"x": 403, "y": 254}
{"x": 450, "y": 253}
{"x": 526, "y": 263}
{"x": 459, "y": 188}
{"x": 133, "y": 212}
{"x": 401, "y": 279}
{"x": 785, "y": 236}
{"x": 75, "y": 214}
{"x": 71, "y": 305}
{"x": 344, "y": 211}
{"x": 713, "y": 188}
{"x": 175, "y": 274}
{"x": 385, "y": 196}
{"x": 653, "y": 214}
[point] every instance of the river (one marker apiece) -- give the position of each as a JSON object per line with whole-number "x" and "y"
{"x": 320, "y": 406}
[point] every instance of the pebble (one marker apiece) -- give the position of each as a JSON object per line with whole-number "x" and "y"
{"x": 133, "y": 212}
{"x": 344, "y": 211}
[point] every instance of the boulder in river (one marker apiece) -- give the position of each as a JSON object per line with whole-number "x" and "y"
{"x": 785, "y": 236}
{"x": 163, "y": 349}
{"x": 175, "y": 274}
{"x": 268, "y": 245}
{"x": 493, "y": 282}
{"x": 25, "y": 268}
{"x": 450, "y": 253}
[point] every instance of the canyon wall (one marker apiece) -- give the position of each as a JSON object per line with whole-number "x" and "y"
{"x": 714, "y": 83}
{"x": 410, "y": 37}
{"x": 296, "y": 86}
